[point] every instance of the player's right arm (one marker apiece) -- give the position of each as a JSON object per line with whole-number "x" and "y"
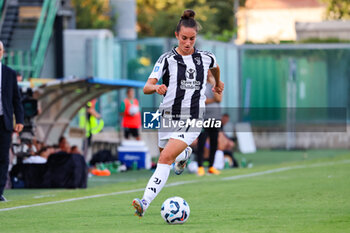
{"x": 151, "y": 87}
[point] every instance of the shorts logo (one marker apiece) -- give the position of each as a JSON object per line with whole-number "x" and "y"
{"x": 151, "y": 120}
{"x": 156, "y": 69}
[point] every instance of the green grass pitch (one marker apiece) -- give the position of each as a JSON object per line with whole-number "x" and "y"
{"x": 284, "y": 192}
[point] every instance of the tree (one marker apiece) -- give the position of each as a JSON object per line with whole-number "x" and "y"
{"x": 337, "y": 9}
{"x": 160, "y": 17}
{"x": 92, "y": 14}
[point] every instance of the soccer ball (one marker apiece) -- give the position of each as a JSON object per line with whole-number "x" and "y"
{"x": 133, "y": 110}
{"x": 175, "y": 210}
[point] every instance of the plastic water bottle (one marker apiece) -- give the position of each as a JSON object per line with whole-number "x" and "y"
{"x": 134, "y": 166}
{"x": 243, "y": 162}
{"x": 227, "y": 164}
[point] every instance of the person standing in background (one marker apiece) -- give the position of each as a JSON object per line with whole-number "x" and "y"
{"x": 130, "y": 111}
{"x": 19, "y": 77}
{"x": 227, "y": 126}
{"x": 10, "y": 103}
{"x": 91, "y": 121}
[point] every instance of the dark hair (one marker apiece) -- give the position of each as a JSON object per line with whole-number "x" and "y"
{"x": 43, "y": 150}
{"x": 61, "y": 139}
{"x": 187, "y": 20}
{"x": 129, "y": 89}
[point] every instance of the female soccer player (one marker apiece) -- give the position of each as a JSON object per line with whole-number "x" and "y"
{"x": 184, "y": 74}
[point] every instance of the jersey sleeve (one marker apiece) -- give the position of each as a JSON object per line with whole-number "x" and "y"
{"x": 213, "y": 63}
{"x": 157, "y": 71}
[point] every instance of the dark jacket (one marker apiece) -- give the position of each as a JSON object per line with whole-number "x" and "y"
{"x": 11, "y": 100}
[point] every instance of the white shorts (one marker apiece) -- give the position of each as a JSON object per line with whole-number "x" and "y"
{"x": 186, "y": 137}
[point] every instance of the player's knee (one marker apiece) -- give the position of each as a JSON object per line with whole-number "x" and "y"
{"x": 165, "y": 158}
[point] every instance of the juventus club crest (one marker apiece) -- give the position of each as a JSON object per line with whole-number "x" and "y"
{"x": 198, "y": 60}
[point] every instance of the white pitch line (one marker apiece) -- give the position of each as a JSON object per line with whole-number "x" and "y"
{"x": 177, "y": 184}
{"x": 283, "y": 169}
{"x": 261, "y": 173}
{"x": 72, "y": 199}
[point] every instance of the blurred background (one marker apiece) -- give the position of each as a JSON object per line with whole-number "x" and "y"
{"x": 285, "y": 64}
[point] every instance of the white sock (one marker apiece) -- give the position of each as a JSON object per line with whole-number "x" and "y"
{"x": 219, "y": 160}
{"x": 181, "y": 156}
{"x": 156, "y": 182}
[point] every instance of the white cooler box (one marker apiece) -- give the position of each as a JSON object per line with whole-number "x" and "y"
{"x": 131, "y": 151}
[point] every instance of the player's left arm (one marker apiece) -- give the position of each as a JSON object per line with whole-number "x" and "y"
{"x": 219, "y": 85}
{"x": 217, "y": 97}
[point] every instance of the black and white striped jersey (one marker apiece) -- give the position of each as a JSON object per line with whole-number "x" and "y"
{"x": 186, "y": 78}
